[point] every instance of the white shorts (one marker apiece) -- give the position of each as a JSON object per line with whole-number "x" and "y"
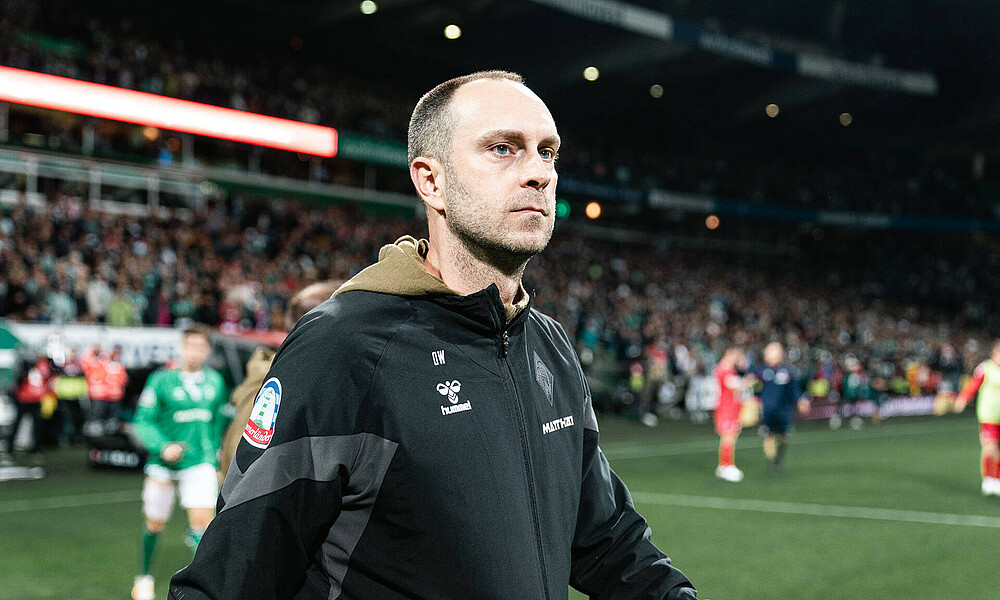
{"x": 198, "y": 487}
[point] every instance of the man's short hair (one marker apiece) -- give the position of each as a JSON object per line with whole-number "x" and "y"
{"x": 309, "y": 298}
{"x": 199, "y": 329}
{"x": 430, "y": 126}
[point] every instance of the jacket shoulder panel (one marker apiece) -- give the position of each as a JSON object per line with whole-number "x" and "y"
{"x": 550, "y": 328}
{"x": 326, "y": 364}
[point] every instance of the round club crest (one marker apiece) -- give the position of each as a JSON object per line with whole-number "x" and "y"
{"x": 260, "y": 427}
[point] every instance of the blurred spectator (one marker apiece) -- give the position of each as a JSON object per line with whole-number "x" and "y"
{"x": 646, "y": 327}
{"x": 99, "y": 297}
{"x": 122, "y": 312}
{"x": 60, "y": 307}
{"x": 32, "y": 391}
{"x": 106, "y": 381}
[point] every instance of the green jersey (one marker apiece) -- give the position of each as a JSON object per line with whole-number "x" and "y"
{"x": 856, "y": 387}
{"x": 189, "y": 408}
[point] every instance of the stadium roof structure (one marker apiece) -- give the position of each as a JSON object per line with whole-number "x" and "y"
{"x": 719, "y": 64}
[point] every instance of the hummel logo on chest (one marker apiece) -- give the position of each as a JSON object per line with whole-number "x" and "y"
{"x": 451, "y": 390}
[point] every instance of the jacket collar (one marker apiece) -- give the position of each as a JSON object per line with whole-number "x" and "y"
{"x": 483, "y": 311}
{"x": 400, "y": 271}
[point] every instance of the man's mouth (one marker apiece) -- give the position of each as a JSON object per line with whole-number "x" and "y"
{"x": 527, "y": 209}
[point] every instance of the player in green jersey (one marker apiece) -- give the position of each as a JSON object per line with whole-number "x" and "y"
{"x": 181, "y": 416}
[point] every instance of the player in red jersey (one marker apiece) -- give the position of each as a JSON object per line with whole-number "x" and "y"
{"x": 985, "y": 383}
{"x": 727, "y": 411}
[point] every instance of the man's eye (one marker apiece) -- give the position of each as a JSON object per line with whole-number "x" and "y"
{"x": 501, "y": 150}
{"x": 548, "y": 154}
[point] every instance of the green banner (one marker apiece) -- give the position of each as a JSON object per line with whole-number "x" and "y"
{"x": 357, "y": 147}
{"x": 8, "y": 357}
{"x": 51, "y": 45}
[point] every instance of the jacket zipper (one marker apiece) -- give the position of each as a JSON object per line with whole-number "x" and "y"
{"x": 505, "y": 344}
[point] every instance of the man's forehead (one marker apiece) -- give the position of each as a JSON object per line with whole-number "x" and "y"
{"x": 491, "y": 104}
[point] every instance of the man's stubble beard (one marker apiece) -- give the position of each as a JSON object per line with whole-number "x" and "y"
{"x": 485, "y": 240}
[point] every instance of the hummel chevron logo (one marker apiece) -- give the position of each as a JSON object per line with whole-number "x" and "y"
{"x": 451, "y": 390}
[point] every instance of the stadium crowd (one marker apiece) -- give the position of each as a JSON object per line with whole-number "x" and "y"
{"x": 640, "y": 315}
{"x": 130, "y": 54}
{"x": 639, "y": 319}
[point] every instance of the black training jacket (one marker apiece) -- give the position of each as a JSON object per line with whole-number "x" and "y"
{"x": 424, "y": 447}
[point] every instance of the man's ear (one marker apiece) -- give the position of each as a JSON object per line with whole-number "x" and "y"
{"x": 427, "y": 175}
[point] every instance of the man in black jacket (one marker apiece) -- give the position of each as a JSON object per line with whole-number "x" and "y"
{"x": 425, "y": 433}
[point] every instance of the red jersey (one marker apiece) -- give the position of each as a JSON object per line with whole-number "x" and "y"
{"x": 115, "y": 379}
{"x": 728, "y": 406}
{"x": 106, "y": 378}
{"x": 36, "y": 385}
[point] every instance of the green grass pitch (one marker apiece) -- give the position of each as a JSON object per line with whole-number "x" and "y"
{"x": 893, "y": 512}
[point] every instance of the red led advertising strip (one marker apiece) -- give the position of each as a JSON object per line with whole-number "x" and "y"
{"x": 85, "y": 98}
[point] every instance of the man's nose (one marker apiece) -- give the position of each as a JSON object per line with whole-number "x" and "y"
{"x": 535, "y": 171}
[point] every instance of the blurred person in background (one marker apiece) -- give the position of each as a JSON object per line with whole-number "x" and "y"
{"x": 70, "y": 387}
{"x": 106, "y": 381}
{"x": 158, "y": 312}
{"x": 856, "y": 388}
{"x": 32, "y": 390}
{"x": 882, "y": 371}
{"x": 60, "y": 306}
{"x": 122, "y": 311}
{"x": 821, "y": 384}
{"x": 657, "y": 367}
{"x": 780, "y": 394}
{"x": 949, "y": 365}
{"x": 180, "y": 418}
{"x": 98, "y": 297}
{"x": 732, "y": 385}
{"x": 986, "y": 383}
{"x": 260, "y": 362}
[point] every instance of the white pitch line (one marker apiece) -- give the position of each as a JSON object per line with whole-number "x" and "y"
{"x": 622, "y": 451}
{"x": 885, "y": 431}
{"x": 33, "y": 504}
{"x": 817, "y": 510}
{"x": 632, "y": 450}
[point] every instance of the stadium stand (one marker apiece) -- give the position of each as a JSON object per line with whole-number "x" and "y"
{"x": 70, "y": 263}
{"x": 868, "y": 251}
{"x": 886, "y": 180}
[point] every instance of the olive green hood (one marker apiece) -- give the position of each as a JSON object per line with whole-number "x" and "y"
{"x": 400, "y": 271}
